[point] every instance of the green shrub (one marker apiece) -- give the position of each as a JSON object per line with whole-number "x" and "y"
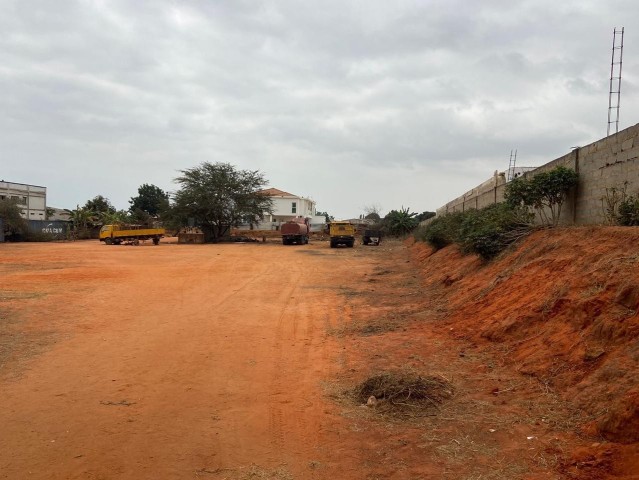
{"x": 629, "y": 211}
{"x": 15, "y": 227}
{"x": 400, "y": 222}
{"x": 487, "y": 232}
{"x": 545, "y": 192}
{"x": 442, "y": 231}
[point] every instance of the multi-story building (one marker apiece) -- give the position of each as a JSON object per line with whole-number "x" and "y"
{"x": 32, "y": 199}
{"x": 287, "y": 206}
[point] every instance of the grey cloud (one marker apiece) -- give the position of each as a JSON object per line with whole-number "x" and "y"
{"x": 299, "y": 90}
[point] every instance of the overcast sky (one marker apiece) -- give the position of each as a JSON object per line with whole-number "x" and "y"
{"x": 351, "y": 103}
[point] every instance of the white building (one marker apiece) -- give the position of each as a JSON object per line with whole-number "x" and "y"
{"x": 32, "y": 199}
{"x": 286, "y": 207}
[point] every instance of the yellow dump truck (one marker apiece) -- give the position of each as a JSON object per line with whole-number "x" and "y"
{"x": 342, "y": 233}
{"x": 117, "y": 234}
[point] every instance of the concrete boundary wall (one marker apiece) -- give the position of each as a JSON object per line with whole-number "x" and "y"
{"x": 609, "y": 162}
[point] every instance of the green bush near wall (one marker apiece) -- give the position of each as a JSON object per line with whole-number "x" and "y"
{"x": 629, "y": 211}
{"x": 485, "y": 232}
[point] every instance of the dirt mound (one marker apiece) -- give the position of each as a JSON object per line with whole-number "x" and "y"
{"x": 564, "y": 304}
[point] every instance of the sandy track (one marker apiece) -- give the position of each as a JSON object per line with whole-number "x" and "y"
{"x": 166, "y": 362}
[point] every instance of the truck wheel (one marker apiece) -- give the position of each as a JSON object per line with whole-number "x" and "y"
{"x": 332, "y": 244}
{"x": 351, "y": 243}
{"x": 108, "y": 240}
{"x": 156, "y": 241}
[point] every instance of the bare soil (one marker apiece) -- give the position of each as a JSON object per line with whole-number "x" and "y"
{"x": 239, "y": 361}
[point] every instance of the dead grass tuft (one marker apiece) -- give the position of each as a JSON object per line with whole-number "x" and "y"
{"x": 404, "y": 393}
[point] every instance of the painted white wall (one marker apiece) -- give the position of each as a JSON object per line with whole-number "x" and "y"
{"x": 32, "y": 198}
{"x": 283, "y": 206}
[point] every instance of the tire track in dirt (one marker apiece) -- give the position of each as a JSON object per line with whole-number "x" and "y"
{"x": 184, "y": 361}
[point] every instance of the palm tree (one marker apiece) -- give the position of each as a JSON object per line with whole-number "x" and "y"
{"x": 82, "y": 220}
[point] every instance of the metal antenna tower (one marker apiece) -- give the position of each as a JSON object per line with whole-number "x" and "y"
{"x": 615, "y": 80}
{"x": 511, "y": 165}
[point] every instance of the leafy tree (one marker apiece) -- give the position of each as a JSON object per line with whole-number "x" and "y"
{"x": 140, "y": 217}
{"x": 218, "y": 197}
{"x": 151, "y": 200}
{"x": 14, "y": 224}
{"x": 329, "y": 218}
{"x": 82, "y": 220}
{"x": 373, "y": 212}
{"x": 400, "y": 222}
{"x": 425, "y": 216}
{"x": 114, "y": 218}
{"x": 545, "y": 192}
{"x": 99, "y": 204}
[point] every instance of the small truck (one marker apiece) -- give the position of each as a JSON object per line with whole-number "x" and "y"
{"x": 342, "y": 233}
{"x": 295, "y": 232}
{"x": 372, "y": 237}
{"x": 117, "y": 234}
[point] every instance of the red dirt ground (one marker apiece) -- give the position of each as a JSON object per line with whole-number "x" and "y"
{"x": 232, "y": 361}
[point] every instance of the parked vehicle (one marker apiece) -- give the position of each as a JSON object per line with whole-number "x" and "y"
{"x": 342, "y": 233}
{"x": 295, "y": 232}
{"x": 117, "y": 234}
{"x": 372, "y": 237}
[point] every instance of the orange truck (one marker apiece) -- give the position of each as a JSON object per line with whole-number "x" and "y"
{"x": 117, "y": 234}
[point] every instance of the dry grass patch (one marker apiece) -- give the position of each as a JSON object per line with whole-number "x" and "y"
{"x": 252, "y": 472}
{"x": 403, "y": 393}
{"x": 374, "y": 326}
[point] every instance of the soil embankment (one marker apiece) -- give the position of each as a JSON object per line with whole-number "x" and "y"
{"x": 564, "y": 306}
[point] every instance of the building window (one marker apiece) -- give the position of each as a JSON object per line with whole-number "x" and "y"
{"x": 19, "y": 200}
{"x": 294, "y": 207}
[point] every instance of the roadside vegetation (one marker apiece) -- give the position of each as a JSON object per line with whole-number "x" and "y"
{"x": 14, "y": 226}
{"x": 490, "y": 230}
{"x": 619, "y": 207}
{"x": 148, "y": 208}
{"x": 396, "y": 223}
